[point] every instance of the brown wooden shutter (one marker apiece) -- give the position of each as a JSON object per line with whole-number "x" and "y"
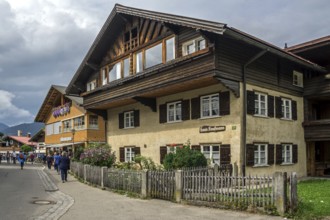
{"x": 270, "y": 154}
{"x": 137, "y": 151}
{"x": 294, "y": 110}
{"x": 225, "y": 154}
{"x": 196, "y": 147}
{"x": 122, "y": 154}
{"x": 163, "y": 152}
{"x": 185, "y": 110}
{"x": 121, "y": 120}
{"x": 279, "y": 154}
{"x": 224, "y": 103}
{"x": 294, "y": 153}
{"x": 278, "y": 107}
{"x": 136, "y": 118}
{"x": 250, "y": 155}
{"x": 270, "y": 106}
{"x": 195, "y": 108}
{"x": 250, "y": 102}
{"x": 162, "y": 114}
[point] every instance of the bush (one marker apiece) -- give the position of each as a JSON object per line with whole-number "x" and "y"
{"x": 184, "y": 157}
{"x": 98, "y": 155}
{"x": 26, "y": 148}
{"x": 77, "y": 153}
{"x": 145, "y": 163}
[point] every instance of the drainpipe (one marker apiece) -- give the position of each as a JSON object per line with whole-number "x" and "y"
{"x": 252, "y": 59}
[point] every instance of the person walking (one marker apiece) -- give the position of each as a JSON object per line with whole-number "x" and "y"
{"x": 64, "y": 165}
{"x": 14, "y": 157}
{"x": 57, "y": 158}
{"x": 49, "y": 160}
{"x": 8, "y": 157}
{"x": 0, "y": 158}
{"x": 32, "y": 158}
{"x": 21, "y": 159}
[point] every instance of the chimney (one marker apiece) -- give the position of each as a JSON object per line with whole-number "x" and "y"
{"x": 28, "y": 134}
{"x": 19, "y": 133}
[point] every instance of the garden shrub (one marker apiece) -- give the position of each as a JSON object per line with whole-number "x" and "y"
{"x": 98, "y": 154}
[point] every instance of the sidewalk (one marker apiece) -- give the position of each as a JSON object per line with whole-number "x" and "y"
{"x": 94, "y": 203}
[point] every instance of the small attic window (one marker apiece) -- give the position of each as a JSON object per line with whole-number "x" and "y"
{"x": 131, "y": 39}
{"x": 298, "y": 79}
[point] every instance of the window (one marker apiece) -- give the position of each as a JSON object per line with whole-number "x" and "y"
{"x": 67, "y": 126}
{"x": 174, "y": 112}
{"x": 298, "y": 79}
{"x": 57, "y": 128}
{"x": 91, "y": 85}
{"x": 126, "y": 67}
{"x": 129, "y": 119}
{"x": 139, "y": 62}
{"x": 104, "y": 77}
{"x": 260, "y": 154}
{"x": 129, "y": 154}
{"x": 260, "y": 104}
{"x": 212, "y": 153}
{"x": 287, "y": 153}
{"x": 286, "y": 108}
{"x": 49, "y": 129}
{"x": 193, "y": 46}
{"x": 170, "y": 49}
{"x": 153, "y": 56}
{"x": 79, "y": 123}
{"x": 210, "y": 106}
{"x": 93, "y": 122}
{"x": 171, "y": 149}
{"x": 115, "y": 72}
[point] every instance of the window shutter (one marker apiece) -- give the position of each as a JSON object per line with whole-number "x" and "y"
{"x": 121, "y": 120}
{"x": 270, "y": 154}
{"x": 225, "y": 154}
{"x": 249, "y": 155}
{"x": 250, "y": 102}
{"x": 185, "y": 110}
{"x": 294, "y": 110}
{"x": 137, "y": 151}
{"x": 136, "y": 118}
{"x": 279, "y": 154}
{"x": 196, "y": 147}
{"x": 163, "y": 152}
{"x": 122, "y": 154}
{"x": 162, "y": 114}
{"x": 295, "y": 153}
{"x": 195, "y": 108}
{"x": 278, "y": 106}
{"x": 270, "y": 106}
{"x": 224, "y": 103}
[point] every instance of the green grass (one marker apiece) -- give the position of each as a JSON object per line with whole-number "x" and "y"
{"x": 314, "y": 199}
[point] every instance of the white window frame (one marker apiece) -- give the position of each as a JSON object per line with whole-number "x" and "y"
{"x": 67, "y": 128}
{"x": 57, "y": 127}
{"x": 259, "y": 153}
{"x": 171, "y": 149}
{"x": 116, "y": 69}
{"x": 129, "y": 154}
{"x": 210, "y": 105}
{"x": 104, "y": 76}
{"x": 91, "y": 85}
{"x": 93, "y": 122}
{"x": 286, "y": 153}
{"x": 195, "y": 43}
{"x": 49, "y": 129}
{"x": 177, "y": 116}
{"x": 129, "y": 119}
{"x": 258, "y": 104}
{"x": 286, "y": 108}
{"x": 170, "y": 49}
{"x": 212, "y": 154}
{"x": 79, "y": 123}
{"x": 297, "y": 79}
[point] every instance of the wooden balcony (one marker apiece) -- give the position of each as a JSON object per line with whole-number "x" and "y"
{"x": 318, "y": 130}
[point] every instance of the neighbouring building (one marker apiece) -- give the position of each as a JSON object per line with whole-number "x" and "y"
{"x": 39, "y": 138}
{"x": 317, "y": 106}
{"x": 67, "y": 124}
{"x": 14, "y": 143}
{"x": 163, "y": 80}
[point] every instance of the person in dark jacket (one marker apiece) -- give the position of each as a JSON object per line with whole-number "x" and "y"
{"x": 64, "y": 165}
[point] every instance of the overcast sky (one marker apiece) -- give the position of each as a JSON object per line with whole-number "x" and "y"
{"x": 42, "y": 42}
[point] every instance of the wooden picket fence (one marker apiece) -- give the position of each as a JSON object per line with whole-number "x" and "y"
{"x": 127, "y": 180}
{"x": 161, "y": 184}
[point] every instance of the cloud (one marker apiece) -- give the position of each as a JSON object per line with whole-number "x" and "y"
{"x": 9, "y": 110}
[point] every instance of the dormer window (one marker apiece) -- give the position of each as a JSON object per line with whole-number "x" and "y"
{"x": 193, "y": 46}
{"x": 298, "y": 79}
{"x": 91, "y": 85}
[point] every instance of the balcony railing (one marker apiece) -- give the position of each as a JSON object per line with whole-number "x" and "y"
{"x": 317, "y": 130}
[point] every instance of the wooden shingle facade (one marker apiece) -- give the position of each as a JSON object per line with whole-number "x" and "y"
{"x": 163, "y": 80}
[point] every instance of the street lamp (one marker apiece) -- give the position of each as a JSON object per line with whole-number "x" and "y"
{"x": 73, "y": 131}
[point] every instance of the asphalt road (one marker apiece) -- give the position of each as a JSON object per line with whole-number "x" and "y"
{"x": 19, "y": 189}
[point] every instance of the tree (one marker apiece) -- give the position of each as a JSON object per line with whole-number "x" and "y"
{"x": 26, "y": 148}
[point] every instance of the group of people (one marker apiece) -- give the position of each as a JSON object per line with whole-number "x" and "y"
{"x": 61, "y": 162}
{"x": 13, "y": 157}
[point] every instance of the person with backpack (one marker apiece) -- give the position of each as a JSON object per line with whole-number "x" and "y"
{"x": 64, "y": 166}
{"x": 57, "y": 158}
{"x": 21, "y": 158}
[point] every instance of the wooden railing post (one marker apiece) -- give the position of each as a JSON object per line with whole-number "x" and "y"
{"x": 85, "y": 173}
{"x": 280, "y": 192}
{"x": 178, "y": 185}
{"x": 293, "y": 192}
{"x": 103, "y": 176}
{"x": 144, "y": 184}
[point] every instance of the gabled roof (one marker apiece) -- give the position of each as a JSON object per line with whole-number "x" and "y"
{"x": 309, "y": 44}
{"x": 23, "y": 140}
{"x": 115, "y": 21}
{"x": 48, "y": 104}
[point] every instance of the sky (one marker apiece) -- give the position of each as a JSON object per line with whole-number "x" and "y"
{"x": 43, "y": 42}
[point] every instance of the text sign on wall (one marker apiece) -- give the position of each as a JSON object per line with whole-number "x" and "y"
{"x": 65, "y": 139}
{"x": 206, "y": 129}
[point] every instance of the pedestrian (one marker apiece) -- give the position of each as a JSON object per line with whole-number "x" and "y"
{"x": 44, "y": 157}
{"x": 0, "y": 157}
{"x": 64, "y": 165}
{"x": 21, "y": 158}
{"x": 49, "y": 160}
{"x": 8, "y": 157}
{"x": 14, "y": 157}
{"x": 32, "y": 158}
{"x": 57, "y": 158}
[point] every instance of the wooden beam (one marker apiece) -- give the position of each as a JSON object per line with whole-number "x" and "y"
{"x": 150, "y": 102}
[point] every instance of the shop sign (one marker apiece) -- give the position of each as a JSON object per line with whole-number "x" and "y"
{"x": 61, "y": 110}
{"x": 62, "y": 139}
{"x": 206, "y": 129}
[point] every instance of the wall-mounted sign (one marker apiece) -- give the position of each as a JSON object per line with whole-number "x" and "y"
{"x": 61, "y": 110}
{"x": 62, "y": 139}
{"x": 206, "y": 129}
